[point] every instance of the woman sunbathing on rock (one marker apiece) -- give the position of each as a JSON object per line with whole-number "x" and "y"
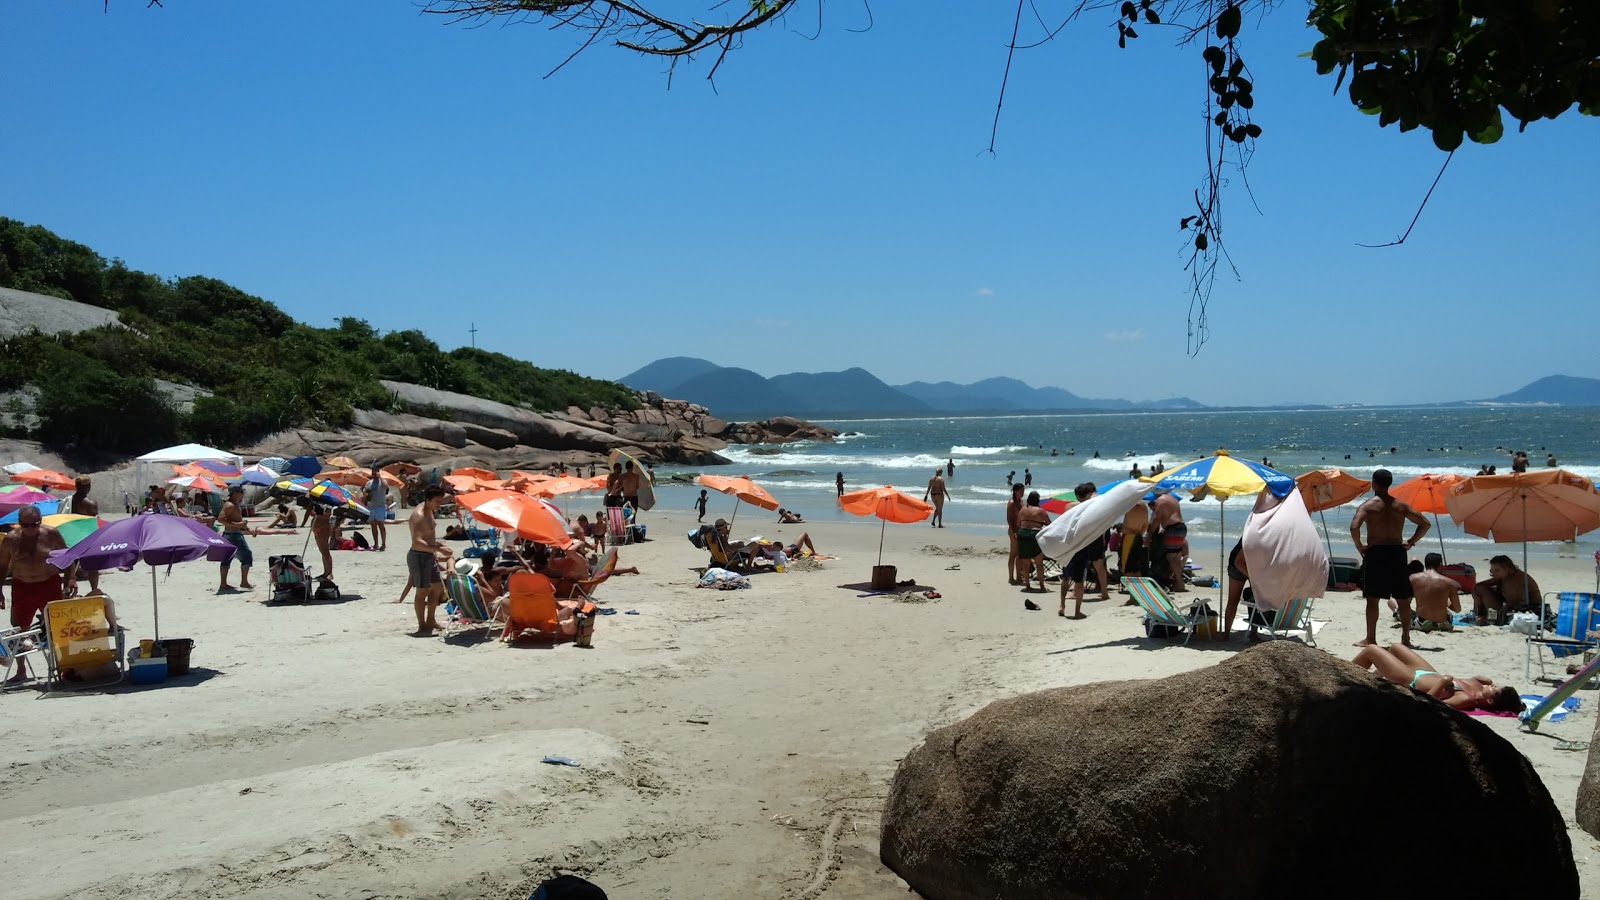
{"x": 1401, "y": 665}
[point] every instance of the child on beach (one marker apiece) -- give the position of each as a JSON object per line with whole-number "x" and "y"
{"x": 700, "y": 504}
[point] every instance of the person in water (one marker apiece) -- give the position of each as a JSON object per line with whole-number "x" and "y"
{"x": 1402, "y": 665}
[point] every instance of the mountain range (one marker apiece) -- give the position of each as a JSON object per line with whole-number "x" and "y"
{"x": 740, "y": 393}
{"x": 737, "y": 393}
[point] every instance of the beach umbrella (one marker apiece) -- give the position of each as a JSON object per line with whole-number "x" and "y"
{"x": 475, "y": 472}
{"x": 45, "y": 507}
{"x": 647, "y": 480}
{"x": 44, "y": 478}
{"x": 74, "y": 528}
{"x": 218, "y": 468}
{"x": 275, "y": 463}
{"x": 463, "y": 484}
{"x": 156, "y": 540}
{"x": 330, "y": 494}
{"x": 344, "y": 462}
{"x": 402, "y": 469}
{"x": 1056, "y": 504}
{"x": 304, "y": 466}
{"x": 20, "y": 496}
{"x": 360, "y": 477}
{"x": 1548, "y": 505}
{"x": 512, "y": 511}
{"x": 195, "y": 483}
{"x": 1426, "y": 494}
{"x": 17, "y": 468}
{"x": 259, "y": 476}
{"x": 1322, "y": 489}
{"x": 1225, "y": 476}
{"x": 743, "y": 490}
{"x": 554, "y": 487}
{"x": 293, "y": 488}
{"x": 1079, "y": 526}
{"x": 887, "y": 504}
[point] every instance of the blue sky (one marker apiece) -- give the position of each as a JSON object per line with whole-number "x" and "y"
{"x": 828, "y": 204}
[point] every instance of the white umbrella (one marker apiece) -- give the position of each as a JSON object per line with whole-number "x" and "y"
{"x": 17, "y": 468}
{"x": 1283, "y": 551}
{"x": 1081, "y": 524}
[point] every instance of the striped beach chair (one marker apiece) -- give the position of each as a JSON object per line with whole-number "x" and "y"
{"x": 1159, "y": 608}
{"x": 467, "y": 607}
{"x": 1563, "y": 632}
{"x": 1530, "y": 717}
{"x": 1293, "y": 616}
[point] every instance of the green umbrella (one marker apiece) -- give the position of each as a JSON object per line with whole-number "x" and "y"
{"x": 74, "y": 528}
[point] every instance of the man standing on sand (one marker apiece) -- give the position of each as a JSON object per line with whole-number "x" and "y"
{"x": 1087, "y": 561}
{"x": 82, "y": 506}
{"x": 378, "y": 506}
{"x": 630, "y": 486}
{"x": 24, "y": 553}
{"x": 1167, "y": 527}
{"x": 838, "y": 479}
{"x": 614, "y": 486}
{"x": 936, "y": 491}
{"x": 1383, "y": 557}
{"x": 422, "y": 560}
{"x": 234, "y": 529}
{"x": 1013, "y": 510}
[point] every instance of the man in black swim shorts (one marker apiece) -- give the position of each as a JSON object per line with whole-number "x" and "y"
{"x": 1385, "y": 565}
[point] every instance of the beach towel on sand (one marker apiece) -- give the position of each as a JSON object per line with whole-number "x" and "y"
{"x": 722, "y": 580}
{"x": 1283, "y": 551}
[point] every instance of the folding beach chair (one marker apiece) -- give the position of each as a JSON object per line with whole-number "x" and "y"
{"x": 16, "y": 645}
{"x": 82, "y": 644}
{"x": 1559, "y": 696}
{"x": 1565, "y": 632}
{"x": 617, "y": 526}
{"x": 466, "y": 606}
{"x": 1293, "y": 616}
{"x": 531, "y": 608}
{"x": 1160, "y": 611}
{"x": 721, "y": 556}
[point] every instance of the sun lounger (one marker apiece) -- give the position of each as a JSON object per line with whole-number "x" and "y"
{"x": 1159, "y": 610}
{"x": 468, "y": 610}
{"x": 1563, "y": 632}
{"x": 16, "y": 645}
{"x": 1560, "y": 695}
{"x": 84, "y": 650}
{"x": 1293, "y": 616}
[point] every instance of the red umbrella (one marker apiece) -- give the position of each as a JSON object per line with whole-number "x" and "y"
{"x": 44, "y": 478}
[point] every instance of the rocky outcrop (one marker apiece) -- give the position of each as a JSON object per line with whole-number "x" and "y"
{"x": 1232, "y": 781}
{"x": 530, "y": 428}
{"x": 781, "y": 430}
{"x": 1588, "y": 812}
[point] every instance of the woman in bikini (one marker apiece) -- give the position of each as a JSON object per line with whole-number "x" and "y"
{"x": 1401, "y": 665}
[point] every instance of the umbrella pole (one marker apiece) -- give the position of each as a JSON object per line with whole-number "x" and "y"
{"x": 881, "y": 529}
{"x": 1441, "y": 535}
{"x": 1222, "y": 552}
{"x": 735, "y": 516}
{"x": 1325, "y": 539}
{"x": 1525, "y": 598}
{"x": 155, "y": 604}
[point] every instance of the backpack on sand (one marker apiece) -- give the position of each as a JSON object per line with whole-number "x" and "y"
{"x": 289, "y": 582}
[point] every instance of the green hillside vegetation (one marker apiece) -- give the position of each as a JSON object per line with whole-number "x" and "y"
{"x": 267, "y": 371}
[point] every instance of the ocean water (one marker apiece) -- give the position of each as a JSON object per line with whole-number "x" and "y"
{"x": 1408, "y": 442}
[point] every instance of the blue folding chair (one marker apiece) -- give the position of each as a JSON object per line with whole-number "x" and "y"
{"x": 1565, "y": 632}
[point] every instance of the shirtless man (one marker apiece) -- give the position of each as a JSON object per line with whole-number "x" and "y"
{"x": 234, "y": 529}
{"x": 1166, "y": 525}
{"x": 82, "y": 506}
{"x": 1384, "y": 570}
{"x": 1506, "y": 590}
{"x": 936, "y": 491}
{"x": 630, "y": 486}
{"x": 1013, "y": 509}
{"x": 24, "y": 553}
{"x": 422, "y": 560}
{"x": 1437, "y": 596}
{"x": 614, "y": 486}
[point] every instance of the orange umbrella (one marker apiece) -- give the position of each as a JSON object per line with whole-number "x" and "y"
{"x": 344, "y": 462}
{"x": 462, "y": 483}
{"x": 44, "y": 478}
{"x": 402, "y": 468}
{"x": 1326, "y": 488}
{"x": 887, "y": 504}
{"x": 475, "y": 472}
{"x": 1426, "y": 494}
{"x": 516, "y": 512}
{"x": 1548, "y": 505}
{"x": 360, "y": 477}
{"x": 195, "y": 483}
{"x": 743, "y": 490}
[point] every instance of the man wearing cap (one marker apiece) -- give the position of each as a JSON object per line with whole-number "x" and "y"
{"x": 234, "y": 529}
{"x": 24, "y": 553}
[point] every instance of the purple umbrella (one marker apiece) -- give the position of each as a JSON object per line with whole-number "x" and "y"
{"x": 155, "y": 539}
{"x": 11, "y": 501}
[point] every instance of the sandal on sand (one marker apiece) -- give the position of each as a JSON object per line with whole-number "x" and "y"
{"x": 1572, "y": 745}
{"x": 1029, "y": 604}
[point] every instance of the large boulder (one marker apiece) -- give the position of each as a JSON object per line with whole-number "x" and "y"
{"x": 448, "y": 433}
{"x": 1588, "y": 813}
{"x": 529, "y": 427}
{"x": 1281, "y": 772}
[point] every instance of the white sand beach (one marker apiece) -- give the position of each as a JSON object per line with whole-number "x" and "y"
{"x": 731, "y": 744}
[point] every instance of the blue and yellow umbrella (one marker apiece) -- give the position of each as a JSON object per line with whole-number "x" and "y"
{"x": 1226, "y": 476}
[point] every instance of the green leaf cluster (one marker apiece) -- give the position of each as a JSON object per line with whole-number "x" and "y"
{"x": 267, "y": 371}
{"x": 1452, "y": 66}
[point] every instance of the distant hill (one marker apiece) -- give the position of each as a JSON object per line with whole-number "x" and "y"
{"x": 740, "y": 392}
{"x": 1566, "y": 390}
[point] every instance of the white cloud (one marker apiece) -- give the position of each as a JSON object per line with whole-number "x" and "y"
{"x": 1124, "y": 337}
{"x": 984, "y": 292}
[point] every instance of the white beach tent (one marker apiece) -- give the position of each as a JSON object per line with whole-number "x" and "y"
{"x": 155, "y": 467}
